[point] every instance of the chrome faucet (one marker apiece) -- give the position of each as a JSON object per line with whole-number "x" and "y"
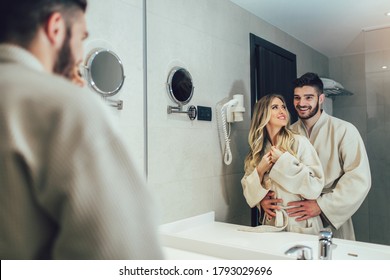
{"x": 302, "y": 252}
{"x": 325, "y": 244}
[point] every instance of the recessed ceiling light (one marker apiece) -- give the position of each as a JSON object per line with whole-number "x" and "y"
{"x": 384, "y": 67}
{"x": 387, "y": 14}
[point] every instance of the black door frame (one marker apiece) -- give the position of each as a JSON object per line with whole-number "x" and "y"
{"x": 256, "y": 89}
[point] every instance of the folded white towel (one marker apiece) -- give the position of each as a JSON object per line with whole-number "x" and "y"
{"x": 331, "y": 84}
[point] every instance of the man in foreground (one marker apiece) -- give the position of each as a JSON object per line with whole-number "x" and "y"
{"x": 68, "y": 186}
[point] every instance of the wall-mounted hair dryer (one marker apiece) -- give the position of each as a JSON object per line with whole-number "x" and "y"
{"x": 235, "y": 109}
{"x": 231, "y": 111}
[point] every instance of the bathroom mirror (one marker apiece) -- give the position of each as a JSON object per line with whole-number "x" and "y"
{"x": 104, "y": 72}
{"x": 180, "y": 86}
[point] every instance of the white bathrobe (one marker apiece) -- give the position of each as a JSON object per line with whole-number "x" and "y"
{"x": 291, "y": 178}
{"x": 346, "y": 168}
{"x": 68, "y": 186}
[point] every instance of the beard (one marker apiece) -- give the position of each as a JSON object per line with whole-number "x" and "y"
{"x": 312, "y": 111}
{"x": 65, "y": 61}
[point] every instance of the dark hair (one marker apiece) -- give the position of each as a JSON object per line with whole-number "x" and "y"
{"x": 310, "y": 79}
{"x": 20, "y": 19}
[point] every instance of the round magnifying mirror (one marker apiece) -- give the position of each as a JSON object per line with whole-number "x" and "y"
{"x": 104, "y": 72}
{"x": 180, "y": 86}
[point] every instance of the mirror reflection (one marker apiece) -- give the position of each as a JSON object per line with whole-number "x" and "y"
{"x": 104, "y": 72}
{"x": 180, "y": 86}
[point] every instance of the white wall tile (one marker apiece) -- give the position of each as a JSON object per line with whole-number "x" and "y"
{"x": 368, "y": 110}
{"x": 117, "y": 25}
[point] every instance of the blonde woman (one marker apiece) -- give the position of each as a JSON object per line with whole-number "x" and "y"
{"x": 280, "y": 165}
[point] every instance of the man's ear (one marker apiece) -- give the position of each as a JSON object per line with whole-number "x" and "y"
{"x": 55, "y": 29}
{"x": 322, "y": 98}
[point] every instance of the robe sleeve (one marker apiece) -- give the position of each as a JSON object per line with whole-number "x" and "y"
{"x": 253, "y": 190}
{"x": 302, "y": 175}
{"x": 351, "y": 188}
{"x": 94, "y": 192}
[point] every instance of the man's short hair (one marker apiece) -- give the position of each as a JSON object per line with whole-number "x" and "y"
{"x": 310, "y": 79}
{"x": 20, "y": 19}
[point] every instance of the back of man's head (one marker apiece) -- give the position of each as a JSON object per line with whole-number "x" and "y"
{"x": 20, "y": 19}
{"x": 310, "y": 79}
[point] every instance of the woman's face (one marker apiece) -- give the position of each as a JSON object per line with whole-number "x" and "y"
{"x": 279, "y": 116}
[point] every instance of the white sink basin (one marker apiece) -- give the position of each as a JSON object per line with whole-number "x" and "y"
{"x": 177, "y": 254}
{"x": 216, "y": 250}
{"x": 203, "y": 237}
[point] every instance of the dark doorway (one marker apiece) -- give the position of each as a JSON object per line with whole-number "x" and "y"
{"x": 273, "y": 70}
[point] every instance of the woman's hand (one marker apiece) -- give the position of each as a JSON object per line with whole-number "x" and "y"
{"x": 275, "y": 154}
{"x": 265, "y": 164}
{"x": 269, "y": 204}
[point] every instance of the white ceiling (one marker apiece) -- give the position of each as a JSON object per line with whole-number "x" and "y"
{"x": 329, "y": 26}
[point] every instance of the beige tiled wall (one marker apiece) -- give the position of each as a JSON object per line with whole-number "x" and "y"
{"x": 368, "y": 110}
{"x": 117, "y": 25}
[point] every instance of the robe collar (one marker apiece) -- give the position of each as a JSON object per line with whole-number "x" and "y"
{"x": 15, "y": 54}
{"x": 317, "y": 126}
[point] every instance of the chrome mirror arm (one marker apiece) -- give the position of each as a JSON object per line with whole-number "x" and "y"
{"x": 191, "y": 112}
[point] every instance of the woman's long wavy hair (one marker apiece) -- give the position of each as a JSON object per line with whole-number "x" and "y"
{"x": 258, "y": 132}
